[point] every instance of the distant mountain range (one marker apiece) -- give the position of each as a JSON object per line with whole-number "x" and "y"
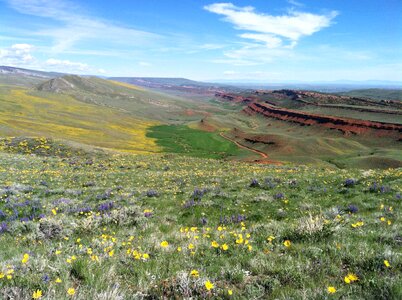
{"x": 27, "y": 72}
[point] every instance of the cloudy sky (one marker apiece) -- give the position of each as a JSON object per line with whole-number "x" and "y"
{"x": 274, "y": 40}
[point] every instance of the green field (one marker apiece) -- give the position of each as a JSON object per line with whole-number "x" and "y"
{"x": 96, "y": 226}
{"x": 184, "y": 140}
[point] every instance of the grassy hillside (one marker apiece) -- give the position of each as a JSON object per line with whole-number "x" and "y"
{"x": 167, "y": 226}
{"x": 23, "y": 113}
{"x": 289, "y": 142}
{"x": 92, "y": 111}
{"x": 25, "y": 81}
{"x": 350, "y": 112}
{"x": 134, "y": 100}
{"x": 378, "y": 94}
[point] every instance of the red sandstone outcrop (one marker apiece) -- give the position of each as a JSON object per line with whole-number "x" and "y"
{"x": 345, "y": 125}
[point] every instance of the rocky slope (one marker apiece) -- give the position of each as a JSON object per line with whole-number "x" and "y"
{"x": 346, "y": 125}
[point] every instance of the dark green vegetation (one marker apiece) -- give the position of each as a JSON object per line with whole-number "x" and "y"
{"x": 163, "y": 226}
{"x": 193, "y": 142}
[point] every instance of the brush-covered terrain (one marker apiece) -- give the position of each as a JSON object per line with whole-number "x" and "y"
{"x": 79, "y": 223}
{"x": 108, "y": 114}
{"x": 175, "y": 189}
{"x": 176, "y": 115}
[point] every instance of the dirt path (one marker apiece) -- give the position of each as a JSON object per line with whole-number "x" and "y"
{"x": 262, "y": 154}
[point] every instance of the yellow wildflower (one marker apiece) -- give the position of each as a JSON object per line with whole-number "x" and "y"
{"x": 215, "y": 244}
{"x": 224, "y": 247}
{"x": 331, "y": 290}
{"x": 194, "y": 273}
{"x": 351, "y": 277}
{"x": 164, "y": 244}
{"x": 71, "y": 291}
{"x": 25, "y": 258}
{"x": 287, "y": 243}
{"x": 37, "y": 294}
{"x": 209, "y": 285}
{"x": 386, "y": 263}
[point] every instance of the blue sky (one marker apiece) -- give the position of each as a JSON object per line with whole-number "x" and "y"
{"x": 268, "y": 40}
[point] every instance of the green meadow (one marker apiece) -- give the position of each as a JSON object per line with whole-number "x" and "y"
{"x": 193, "y": 142}
{"x": 79, "y": 224}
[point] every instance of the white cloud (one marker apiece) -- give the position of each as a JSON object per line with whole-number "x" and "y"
{"x": 77, "y": 26}
{"x": 272, "y": 36}
{"x": 269, "y": 40}
{"x": 254, "y": 54}
{"x": 144, "y": 64}
{"x": 292, "y": 26}
{"x": 295, "y": 3}
{"x": 23, "y": 48}
{"x": 66, "y": 64}
{"x": 21, "y": 55}
{"x": 230, "y": 73}
{"x": 17, "y": 54}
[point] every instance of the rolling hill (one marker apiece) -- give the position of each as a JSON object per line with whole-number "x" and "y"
{"x": 103, "y": 113}
{"x": 184, "y": 116}
{"x": 312, "y": 127}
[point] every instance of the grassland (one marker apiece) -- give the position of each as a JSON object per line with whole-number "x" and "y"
{"x": 378, "y": 94}
{"x": 134, "y": 100}
{"x": 193, "y": 142}
{"x": 350, "y": 113}
{"x": 311, "y": 145}
{"x": 124, "y": 117}
{"x": 166, "y": 226}
{"x": 23, "y": 113}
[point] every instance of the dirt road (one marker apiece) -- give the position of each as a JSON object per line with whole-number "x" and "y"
{"x": 262, "y": 154}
